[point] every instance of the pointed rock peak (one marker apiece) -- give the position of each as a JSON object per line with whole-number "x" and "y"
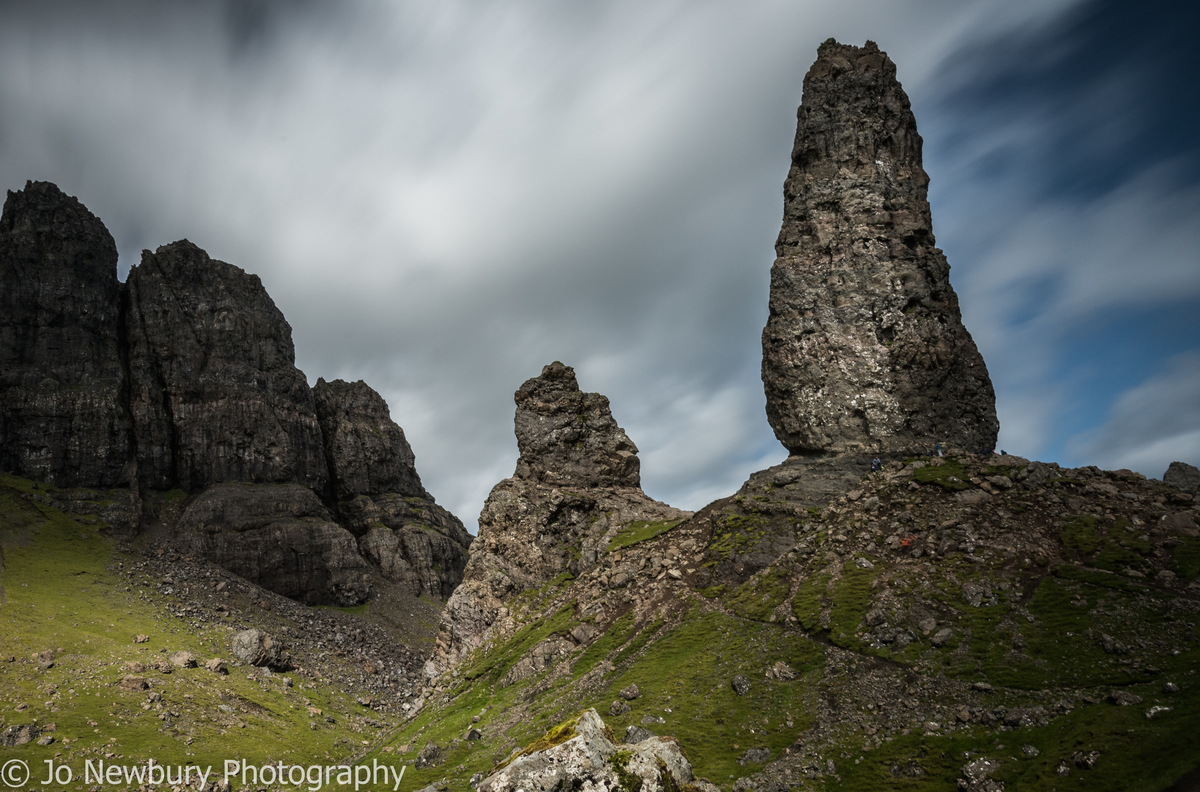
{"x": 865, "y": 350}
{"x": 569, "y": 437}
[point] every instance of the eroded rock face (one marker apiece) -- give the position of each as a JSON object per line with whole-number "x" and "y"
{"x": 62, "y": 418}
{"x": 575, "y": 486}
{"x": 366, "y": 450}
{"x": 184, "y": 379}
{"x": 215, "y": 393}
{"x": 279, "y": 536}
{"x": 399, "y": 527}
{"x": 588, "y": 759}
{"x": 865, "y": 350}
{"x": 568, "y": 437}
{"x": 412, "y": 541}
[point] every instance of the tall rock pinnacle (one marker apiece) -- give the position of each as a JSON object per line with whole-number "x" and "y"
{"x": 865, "y": 350}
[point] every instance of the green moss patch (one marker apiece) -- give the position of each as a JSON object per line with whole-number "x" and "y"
{"x": 950, "y": 475}
{"x": 640, "y": 531}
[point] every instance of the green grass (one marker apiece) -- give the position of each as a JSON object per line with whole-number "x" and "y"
{"x": 1136, "y": 754}
{"x": 688, "y": 672}
{"x": 1187, "y": 558}
{"x": 60, "y": 592}
{"x": 811, "y": 598}
{"x": 942, "y": 474}
{"x": 640, "y": 531}
{"x": 758, "y": 597}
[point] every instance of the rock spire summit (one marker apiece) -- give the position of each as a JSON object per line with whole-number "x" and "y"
{"x": 865, "y": 350}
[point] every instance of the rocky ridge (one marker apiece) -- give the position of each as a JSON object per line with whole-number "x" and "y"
{"x": 184, "y": 379}
{"x": 864, "y": 351}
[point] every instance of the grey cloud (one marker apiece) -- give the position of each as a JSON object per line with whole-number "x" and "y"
{"x": 444, "y": 197}
{"x": 1151, "y": 425}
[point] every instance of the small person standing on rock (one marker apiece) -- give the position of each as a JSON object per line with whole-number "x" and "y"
{"x": 876, "y": 465}
{"x": 938, "y": 448}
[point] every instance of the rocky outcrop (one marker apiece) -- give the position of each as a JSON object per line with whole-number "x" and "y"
{"x": 62, "y": 416}
{"x": 366, "y": 451}
{"x": 864, "y": 350}
{"x": 185, "y": 379}
{"x": 567, "y": 437}
{"x": 576, "y": 485}
{"x": 215, "y": 393}
{"x": 1183, "y": 477}
{"x": 582, "y": 754}
{"x": 410, "y": 539}
{"x": 279, "y": 536}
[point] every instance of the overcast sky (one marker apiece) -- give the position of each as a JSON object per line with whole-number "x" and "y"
{"x": 443, "y": 197}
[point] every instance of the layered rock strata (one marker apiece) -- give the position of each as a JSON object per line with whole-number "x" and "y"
{"x": 399, "y": 528}
{"x": 864, "y": 350}
{"x": 576, "y": 484}
{"x": 62, "y": 416}
{"x": 215, "y": 392}
{"x": 184, "y": 378}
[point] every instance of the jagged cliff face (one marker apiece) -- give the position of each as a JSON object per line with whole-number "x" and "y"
{"x": 62, "y": 416}
{"x": 865, "y": 350}
{"x": 185, "y": 378}
{"x": 216, "y": 395}
{"x": 576, "y": 485}
{"x": 410, "y": 539}
{"x": 367, "y": 451}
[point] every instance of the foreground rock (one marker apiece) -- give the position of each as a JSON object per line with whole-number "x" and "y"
{"x": 1183, "y": 477}
{"x": 576, "y": 484}
{"x": 582, "y": 754}
{"x": 865, "y": 350}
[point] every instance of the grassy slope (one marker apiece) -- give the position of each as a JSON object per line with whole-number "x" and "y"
{"x": 1034, "y": 643}
{"x": 62, "y": 592}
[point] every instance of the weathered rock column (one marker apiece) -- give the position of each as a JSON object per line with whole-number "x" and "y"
{"x": 865, "y": 350}
{"x": 62, "y": 415}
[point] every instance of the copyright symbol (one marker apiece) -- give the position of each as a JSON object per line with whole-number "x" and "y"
{"x": 15, "y": 772}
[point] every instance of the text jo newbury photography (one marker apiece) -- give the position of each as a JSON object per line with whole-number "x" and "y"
{"x": 236, "y": 773}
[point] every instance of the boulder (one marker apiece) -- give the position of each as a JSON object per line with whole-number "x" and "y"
{"x": 864, "y": 349}
{"x": 582, "y": 754}
{"x": 258, "y": 649}
{"x": 1183, "y": 477}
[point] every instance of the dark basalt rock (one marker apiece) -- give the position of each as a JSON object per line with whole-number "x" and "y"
{"x": 1183, "y": 477}
{"x": 62, "y": 416}
{"x": 366, "y": 451}
{"x": 279, "y": 536}
{"x": 216, "y": 395}
{"x": 412, "y": 540}
{"x": 569, "y": 437}
{"x": 184, "y": 379}
{"x": 865, "y": 350}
